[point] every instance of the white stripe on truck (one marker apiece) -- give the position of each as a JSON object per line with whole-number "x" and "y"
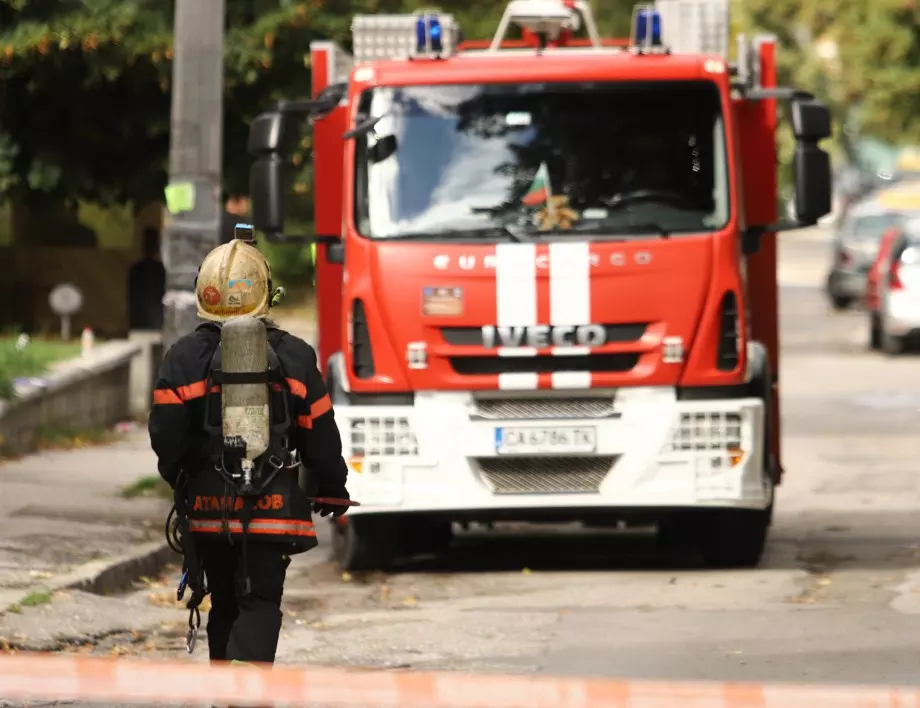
{"x": 516, "y": 303}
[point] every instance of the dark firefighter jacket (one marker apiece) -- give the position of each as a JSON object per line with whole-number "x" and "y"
{"x": 179, "y": 439}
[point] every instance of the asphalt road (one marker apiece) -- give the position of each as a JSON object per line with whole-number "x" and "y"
{"x": 836, "y": 598}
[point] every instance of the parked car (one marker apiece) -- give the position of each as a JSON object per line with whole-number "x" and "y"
{"x": 854, "y": 249}
{"x": 896, "y": 290}
{"x": 876, "y": 271}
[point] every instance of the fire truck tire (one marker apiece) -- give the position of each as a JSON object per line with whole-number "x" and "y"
{"x": 727, "y": 538}
{"x": 735, "y": 538}
{"x": 365, "y": 542}
{"x": 427, "y": 536}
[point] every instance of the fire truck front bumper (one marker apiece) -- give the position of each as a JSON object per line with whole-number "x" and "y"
{"x": 633, "y": 449}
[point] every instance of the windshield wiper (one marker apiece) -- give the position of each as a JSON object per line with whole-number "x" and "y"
{"x": 484, "y": 232}
{"x": 363, "y": 127}
{"x": 626, "y": 229}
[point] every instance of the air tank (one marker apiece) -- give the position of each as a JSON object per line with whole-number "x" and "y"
{"x": 244, "y": 406}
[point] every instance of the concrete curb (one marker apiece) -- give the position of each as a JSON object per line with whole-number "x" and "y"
{"x": 101, "y": 577}
{"x": 104, "y": 577}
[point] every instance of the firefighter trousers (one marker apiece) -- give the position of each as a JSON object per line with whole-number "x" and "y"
{"x": 244, "y": 627}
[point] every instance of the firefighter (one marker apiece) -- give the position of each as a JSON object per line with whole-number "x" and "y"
{"x": 244, "y": 571}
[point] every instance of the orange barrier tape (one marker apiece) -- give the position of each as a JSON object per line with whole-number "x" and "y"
{"x": 27, "y": 677}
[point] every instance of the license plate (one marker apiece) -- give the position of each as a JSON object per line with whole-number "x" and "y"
{"x": 529, "y": 441}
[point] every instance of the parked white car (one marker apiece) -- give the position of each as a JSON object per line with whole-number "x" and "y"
{"x": 899, "y": 292}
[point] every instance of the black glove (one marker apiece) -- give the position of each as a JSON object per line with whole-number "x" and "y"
{"x": 324, "y": 509}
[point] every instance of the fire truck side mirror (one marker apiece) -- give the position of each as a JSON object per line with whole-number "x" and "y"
{"x": 811, "y": 123}
{"x": 266, "y": 133}
{"x": 811, "y": 120}
{"x": 267, "y": 185}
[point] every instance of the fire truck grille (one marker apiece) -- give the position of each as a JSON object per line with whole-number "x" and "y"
{"x": 486, "y": 365}
{"x": 544, "y": 475}
{"x": 544, "y": 408}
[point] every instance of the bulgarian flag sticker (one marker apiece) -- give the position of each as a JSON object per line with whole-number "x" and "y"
{"x": 539, "y": 192}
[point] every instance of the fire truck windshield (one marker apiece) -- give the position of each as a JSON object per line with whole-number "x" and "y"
{"x": 611, "y": 159}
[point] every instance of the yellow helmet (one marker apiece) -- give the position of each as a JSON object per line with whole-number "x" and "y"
{"x": 234, "y": 279}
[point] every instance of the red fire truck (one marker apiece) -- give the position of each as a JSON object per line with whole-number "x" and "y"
{"x": 547, "y": 279}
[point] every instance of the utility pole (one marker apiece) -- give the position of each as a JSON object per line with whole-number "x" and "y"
{"x": 195, "y": 157}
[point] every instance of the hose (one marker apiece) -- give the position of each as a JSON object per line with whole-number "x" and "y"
{"x": 172, "y": 532}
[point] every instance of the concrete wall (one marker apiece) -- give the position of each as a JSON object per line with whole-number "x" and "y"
{"x": 93, "y": 391}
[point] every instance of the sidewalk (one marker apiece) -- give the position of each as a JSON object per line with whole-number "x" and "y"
{"x": 72, "y": 547}
{"x": 65, "y": 524}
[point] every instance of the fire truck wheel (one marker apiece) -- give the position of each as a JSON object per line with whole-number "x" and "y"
{"x": 365, "y": 542}
{"x": 735, "y": 538}
{"x": 727, "y": 538}
{"x": 426, "y": 536}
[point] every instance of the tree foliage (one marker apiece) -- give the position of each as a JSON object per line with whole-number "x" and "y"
{"x": 85, "y": 89}
{"x": 871, "y": 75}
{"x": 85, "y": 84}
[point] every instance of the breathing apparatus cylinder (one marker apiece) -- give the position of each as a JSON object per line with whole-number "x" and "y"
{"x": 245, "y": 406}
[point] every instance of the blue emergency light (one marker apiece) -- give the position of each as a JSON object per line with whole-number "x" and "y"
{"x": 428, "y": 34}
{"x": 648, "y": 27}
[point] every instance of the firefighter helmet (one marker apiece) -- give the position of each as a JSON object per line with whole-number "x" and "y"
{"x": 234, "y": 279}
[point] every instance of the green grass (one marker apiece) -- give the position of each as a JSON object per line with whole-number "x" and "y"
{"x": 33, "y": 360}
{"x": 73, "y": 436}
{"x": 37, "y": 598}
{"x": 151, "y": 486}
